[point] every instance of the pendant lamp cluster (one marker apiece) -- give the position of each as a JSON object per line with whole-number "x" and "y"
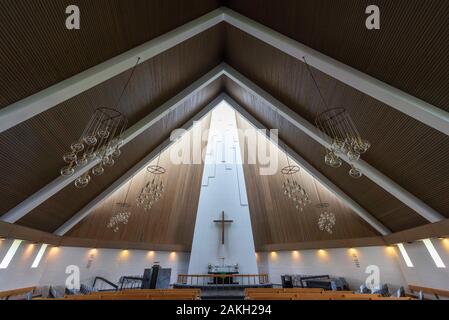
{"x": 100, "y": 142}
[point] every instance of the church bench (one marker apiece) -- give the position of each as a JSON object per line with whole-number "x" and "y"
{"x": 196, "y": 292}
{"x": 150, "y": 294}
{"x": 16, "y": 292}
{"x": 332, "y": 295}
{"x": 133, "y": 297}
{"x": 249, "y": 291}
{"x": 436, "y": 292}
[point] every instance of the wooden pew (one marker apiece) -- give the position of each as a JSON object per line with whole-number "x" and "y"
{"x": 196, "y": 292}
{"x": 249, "y": 291}
{"x": 326, "y": 295}
{"x": 436, "y": 292}
{"x": 16, "y": 292}
{"x": 153, "y": 294}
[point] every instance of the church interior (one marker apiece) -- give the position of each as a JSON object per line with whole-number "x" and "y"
{"x": 224, "y": 150}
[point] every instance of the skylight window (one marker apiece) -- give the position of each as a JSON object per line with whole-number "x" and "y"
{"x": 10, "y": 254}
{"x": 404, "y": 253}
{"x": 38, "y": 258}
{"x": 433, "y": 252}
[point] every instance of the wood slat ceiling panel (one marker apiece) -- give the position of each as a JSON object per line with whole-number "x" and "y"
{"x": 387, "y": 209}
{"x": 38, "y": 51}
{"x": 407, "y": 151}
{"x": 409, "y": 52}
{"x": 30, "y": 153}
{"x": 55, "y": 211}
{"x": 170, "y": 221}
{"x": 274, "y": 217}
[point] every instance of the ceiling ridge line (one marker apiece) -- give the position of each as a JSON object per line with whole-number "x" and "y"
{"x": 369, "y": 171}
{"x": 125, "y": 178}
{"x": 23, "y": 208}
{"x": 48, "y": 98}
{"x": 29, "y": 107}
{"x": 315, "y": 173}
{"x": 412, "y": 106}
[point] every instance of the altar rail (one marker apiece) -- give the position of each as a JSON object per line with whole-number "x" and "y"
{"x": 205, "y": 279}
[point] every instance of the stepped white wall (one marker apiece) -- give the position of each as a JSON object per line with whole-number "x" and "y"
{"x": 223, "y": 189}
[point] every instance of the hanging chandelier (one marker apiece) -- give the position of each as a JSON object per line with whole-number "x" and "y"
{"x": 101, "y": 142}
{"x": 121, "y": 212}
{"x": 327, "y": 219}
{"x": 153, "y": 188}
{"x": 121, "y": 217}
{"x": 337, "y": 124}
{"x": 292, "y": 189}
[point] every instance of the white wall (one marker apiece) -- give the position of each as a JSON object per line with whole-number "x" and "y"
{"x": 107, "y": 263}
{"x": 334, "y": 262}
{"x": 223, "y": 189}
{"x": 19, "y": 273}
{"x": 424, "y": 272}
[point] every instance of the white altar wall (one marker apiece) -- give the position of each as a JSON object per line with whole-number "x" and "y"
{"x": 223, "y": 189}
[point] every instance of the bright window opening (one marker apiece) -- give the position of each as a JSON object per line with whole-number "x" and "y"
{"x": 404, "y": 253}
{"x": 433, "y": 252}
{"x": 10, "y": 254}
{"x": 38, "y": 258}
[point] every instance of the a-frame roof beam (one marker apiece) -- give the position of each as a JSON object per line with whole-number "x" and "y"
{"x": 29, "y": 107}
{"x": 315, "y": 173}
{"x": 59, "y": 183}
{"x": 418, "y": 109}
{"x": 359, "y": 210}
{"x": 83, "y": 213}
{"x": 369, "y": 171}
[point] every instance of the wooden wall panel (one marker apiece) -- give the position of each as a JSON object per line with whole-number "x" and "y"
{"x": 274, "y": 217}
{"x": 31, "y": 153}
{"x": 387, "y": 209}
{"x": 172, "y": 219}
{"x": 409, "y": 52}
{"x": 58, "y": 209}
{"x": 37, "y": 50}
{"x": 412, "y": 154}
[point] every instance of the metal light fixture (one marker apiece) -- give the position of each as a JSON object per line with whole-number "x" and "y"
{"x": 101, "y": 142}
{"x": 292, "y": 189}
{"x": 153, "y": 188}
{"x": 327, "y": 220}
{"x": 346, "y": 141}
{"x": 121, "y": 212}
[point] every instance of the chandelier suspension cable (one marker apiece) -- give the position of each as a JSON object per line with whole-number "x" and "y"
{"x": 127, "y": 83}
{"x": 338, "y": 127}
{"x": 309, "y": 69}
{"x": 129, "y": 188}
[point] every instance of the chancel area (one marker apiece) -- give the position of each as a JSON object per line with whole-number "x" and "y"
{"x": 224, "y": 150}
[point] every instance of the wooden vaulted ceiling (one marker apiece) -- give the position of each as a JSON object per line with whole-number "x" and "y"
{"x": 47, "y": 136}
{"x": 409, "y": 152}
{"x": 275, "y": 220}
{"x": 38, "y": 51}
{"x": 408, "y": 53}
{"x": 170, "y": 221}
